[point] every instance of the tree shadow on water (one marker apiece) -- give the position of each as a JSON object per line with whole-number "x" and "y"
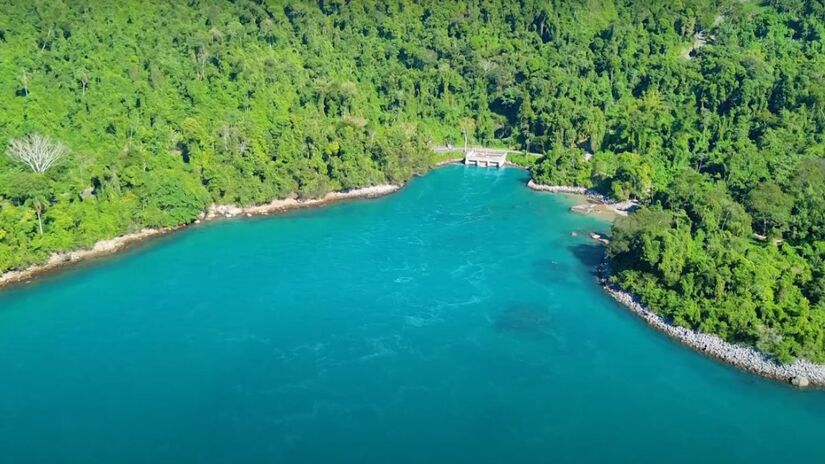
{"x": 589, "y": 255}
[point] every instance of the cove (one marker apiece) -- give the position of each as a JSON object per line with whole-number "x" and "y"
{"x": 454, "y": 321}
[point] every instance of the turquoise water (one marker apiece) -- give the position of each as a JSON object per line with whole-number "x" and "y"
{"x": 456, "y": 321}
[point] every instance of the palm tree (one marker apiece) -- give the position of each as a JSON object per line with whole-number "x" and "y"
{"x": 467, "y": 125}
{"x": 39, "y": 203}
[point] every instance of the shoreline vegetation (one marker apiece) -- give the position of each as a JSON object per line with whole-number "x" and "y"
{"x": 146, "y": 119}
{"x": 106, "y": 247}
{"x": 58, "y": 261}
{"x": 801, "y": 373}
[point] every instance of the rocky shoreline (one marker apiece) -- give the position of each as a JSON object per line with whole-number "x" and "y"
{"x": 801, "y": 373}
{"x": 107, "y": 247}
{"x": 286, "y": 204}
{"x": 566, "y": 189}
{"x": 100, "y": 248}
{"x": 597, "y": 203}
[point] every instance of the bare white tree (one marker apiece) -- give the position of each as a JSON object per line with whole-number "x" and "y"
{"x": 37, "y": 152}
{"x": 202, "y": 57}
{"x": 24, "y": 80}
{"x": 83, "y": 77}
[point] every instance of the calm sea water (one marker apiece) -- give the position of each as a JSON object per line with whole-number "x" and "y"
{"x": 457, "y": 321}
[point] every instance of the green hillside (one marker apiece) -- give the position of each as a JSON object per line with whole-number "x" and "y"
{"x": 166, "y": 107}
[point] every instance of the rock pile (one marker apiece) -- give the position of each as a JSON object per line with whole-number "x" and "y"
{"x": 228, "y": 211}
{"x": 566, "y": 189}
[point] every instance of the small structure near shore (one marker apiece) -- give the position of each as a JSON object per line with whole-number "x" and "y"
{"x": 485, "y": 158}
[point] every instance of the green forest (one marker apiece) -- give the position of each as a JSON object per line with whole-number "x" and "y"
{"x": 711, "y": 113}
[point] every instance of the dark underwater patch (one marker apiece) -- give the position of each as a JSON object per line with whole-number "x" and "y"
{"x": 546, "y": 271}
{"x": 527, "y": 319}
{"x": 590, "y": 255}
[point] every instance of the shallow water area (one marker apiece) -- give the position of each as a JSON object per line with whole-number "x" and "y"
{"x": 457, "y": 320}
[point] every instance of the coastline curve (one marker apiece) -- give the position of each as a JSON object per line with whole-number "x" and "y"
{"x": 58, "y": 261}
{"x": 801, "y": 373}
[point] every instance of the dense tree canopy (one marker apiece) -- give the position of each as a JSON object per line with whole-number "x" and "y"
{"x": 166, "y": 108}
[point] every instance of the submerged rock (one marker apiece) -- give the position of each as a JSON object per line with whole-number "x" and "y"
{"x": 599, "y": 238}
{"x": 586, "y": 208}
